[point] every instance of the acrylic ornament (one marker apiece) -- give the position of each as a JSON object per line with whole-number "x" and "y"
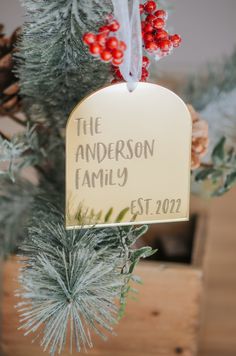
{"x": 128, "y": 157}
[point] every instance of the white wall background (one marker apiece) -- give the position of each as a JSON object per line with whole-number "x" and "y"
{"x": 208, "y": 28}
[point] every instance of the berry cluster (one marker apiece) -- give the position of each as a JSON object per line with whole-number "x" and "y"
{"x": 118, "y": 76}
{"x": 105, "y": 45}
{"x": 156, "y": 39}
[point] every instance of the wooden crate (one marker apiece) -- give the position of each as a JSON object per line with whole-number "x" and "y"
{"x": 164, "y": 321}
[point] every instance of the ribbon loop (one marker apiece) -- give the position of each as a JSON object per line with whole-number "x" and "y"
{"x": 128, "y": 15}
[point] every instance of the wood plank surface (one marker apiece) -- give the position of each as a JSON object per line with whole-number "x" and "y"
{"x": 163, "y": 322}
{"x": 143, "y": 331}
{"x": 218, "y": 328}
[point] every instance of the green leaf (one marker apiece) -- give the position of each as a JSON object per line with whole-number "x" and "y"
{"x": 216, "y": 175}
{"x": 134, "y": 217}
{"x": 219, "y": 192}
{"x": 99, "y": 215}
{"x": 207, "y": 173}
{"x": 143, "y": 252}
{"x": 218, "y": 153}
{"x": 230, "y": 154}
{"x": 136, "y": 279}
{"x": 230, "y": 180}
{"x": 108, "y": 215}
{"x": 139, "y": 231}
{"x": 122, "y": 214}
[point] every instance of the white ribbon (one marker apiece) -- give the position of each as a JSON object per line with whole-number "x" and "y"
{"x": 127, "y": 13}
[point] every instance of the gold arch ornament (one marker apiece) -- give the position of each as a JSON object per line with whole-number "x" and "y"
{"x": 128, "y": 158}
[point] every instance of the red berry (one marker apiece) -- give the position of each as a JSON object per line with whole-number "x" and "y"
{"x": 122, "y": 46}
{"x": 118, "y": 74}
{"x": 112, "y": 42}
{"x": 101, "y": 38}
{"x": 141, "y": 8}
{"x": 89, "y": 38}
{"x": 143, "y": 24}
{"x": 148, "y": 37}
{"x": 95, "y": 49}
{"x": 161, "y": 35}
{"x": 115, "y": 81}
{"x": 150, "y": 6}
{"x": 104, "y": 29}
{"x": 158, "y": 23}
{"x": 145, "y": 74}
{"x": 176, "y": 40}
{"x": 117, "y": 54}
{"x": 106, "y": 55}
{"x": 150, "y": 18}
{"x": 117, "y": 62}
{"x": 151, "y": 46}
{"x": 146, "y": 62}
{"x": 161, "y": 13}
{"x": 114, "y": 26}
{"x": 165, "y": 45}
{"x": 148, "y": 27}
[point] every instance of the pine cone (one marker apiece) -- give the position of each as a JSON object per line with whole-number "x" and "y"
{"x": 9, "y": 87}
{"x": 200, "y": 138}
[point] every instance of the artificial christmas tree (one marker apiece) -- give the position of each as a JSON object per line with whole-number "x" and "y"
{"x": 70, "y": 279}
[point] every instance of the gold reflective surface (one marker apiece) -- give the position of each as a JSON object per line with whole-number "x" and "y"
{"x": 128, "y": 157}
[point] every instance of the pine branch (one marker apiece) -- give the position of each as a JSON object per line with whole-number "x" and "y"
{"x": 206, "y": 88}
{"x": 15, "y": 204}
{"x": 220, "y": 171}
{"x": 72, "y": 279}
{"x": 56, "y": 70}
{"x": 21, "y": 151}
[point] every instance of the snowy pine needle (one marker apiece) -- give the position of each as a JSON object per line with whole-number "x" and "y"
{"x": 55, "y": 69}
{"x": 15, "y": 205}
{"x": 71, "y": 280}
{"x": 69, "y": 286}
{"x": 21, "y": 151}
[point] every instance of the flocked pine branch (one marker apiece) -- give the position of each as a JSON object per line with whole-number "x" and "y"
{"x": 15, "y": 204}
{"x": 21, "y": 151}
{"x": 207, "y": 87}
{"x": 214, "y": 95}
{"x": 30, "y": 148}
{"x": 55, "y": 70}
{"x": 71, "y": 279}
{"x": 220, "y": 172}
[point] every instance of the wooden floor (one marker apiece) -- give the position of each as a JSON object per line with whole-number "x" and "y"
{"x": 218, "y": 329}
